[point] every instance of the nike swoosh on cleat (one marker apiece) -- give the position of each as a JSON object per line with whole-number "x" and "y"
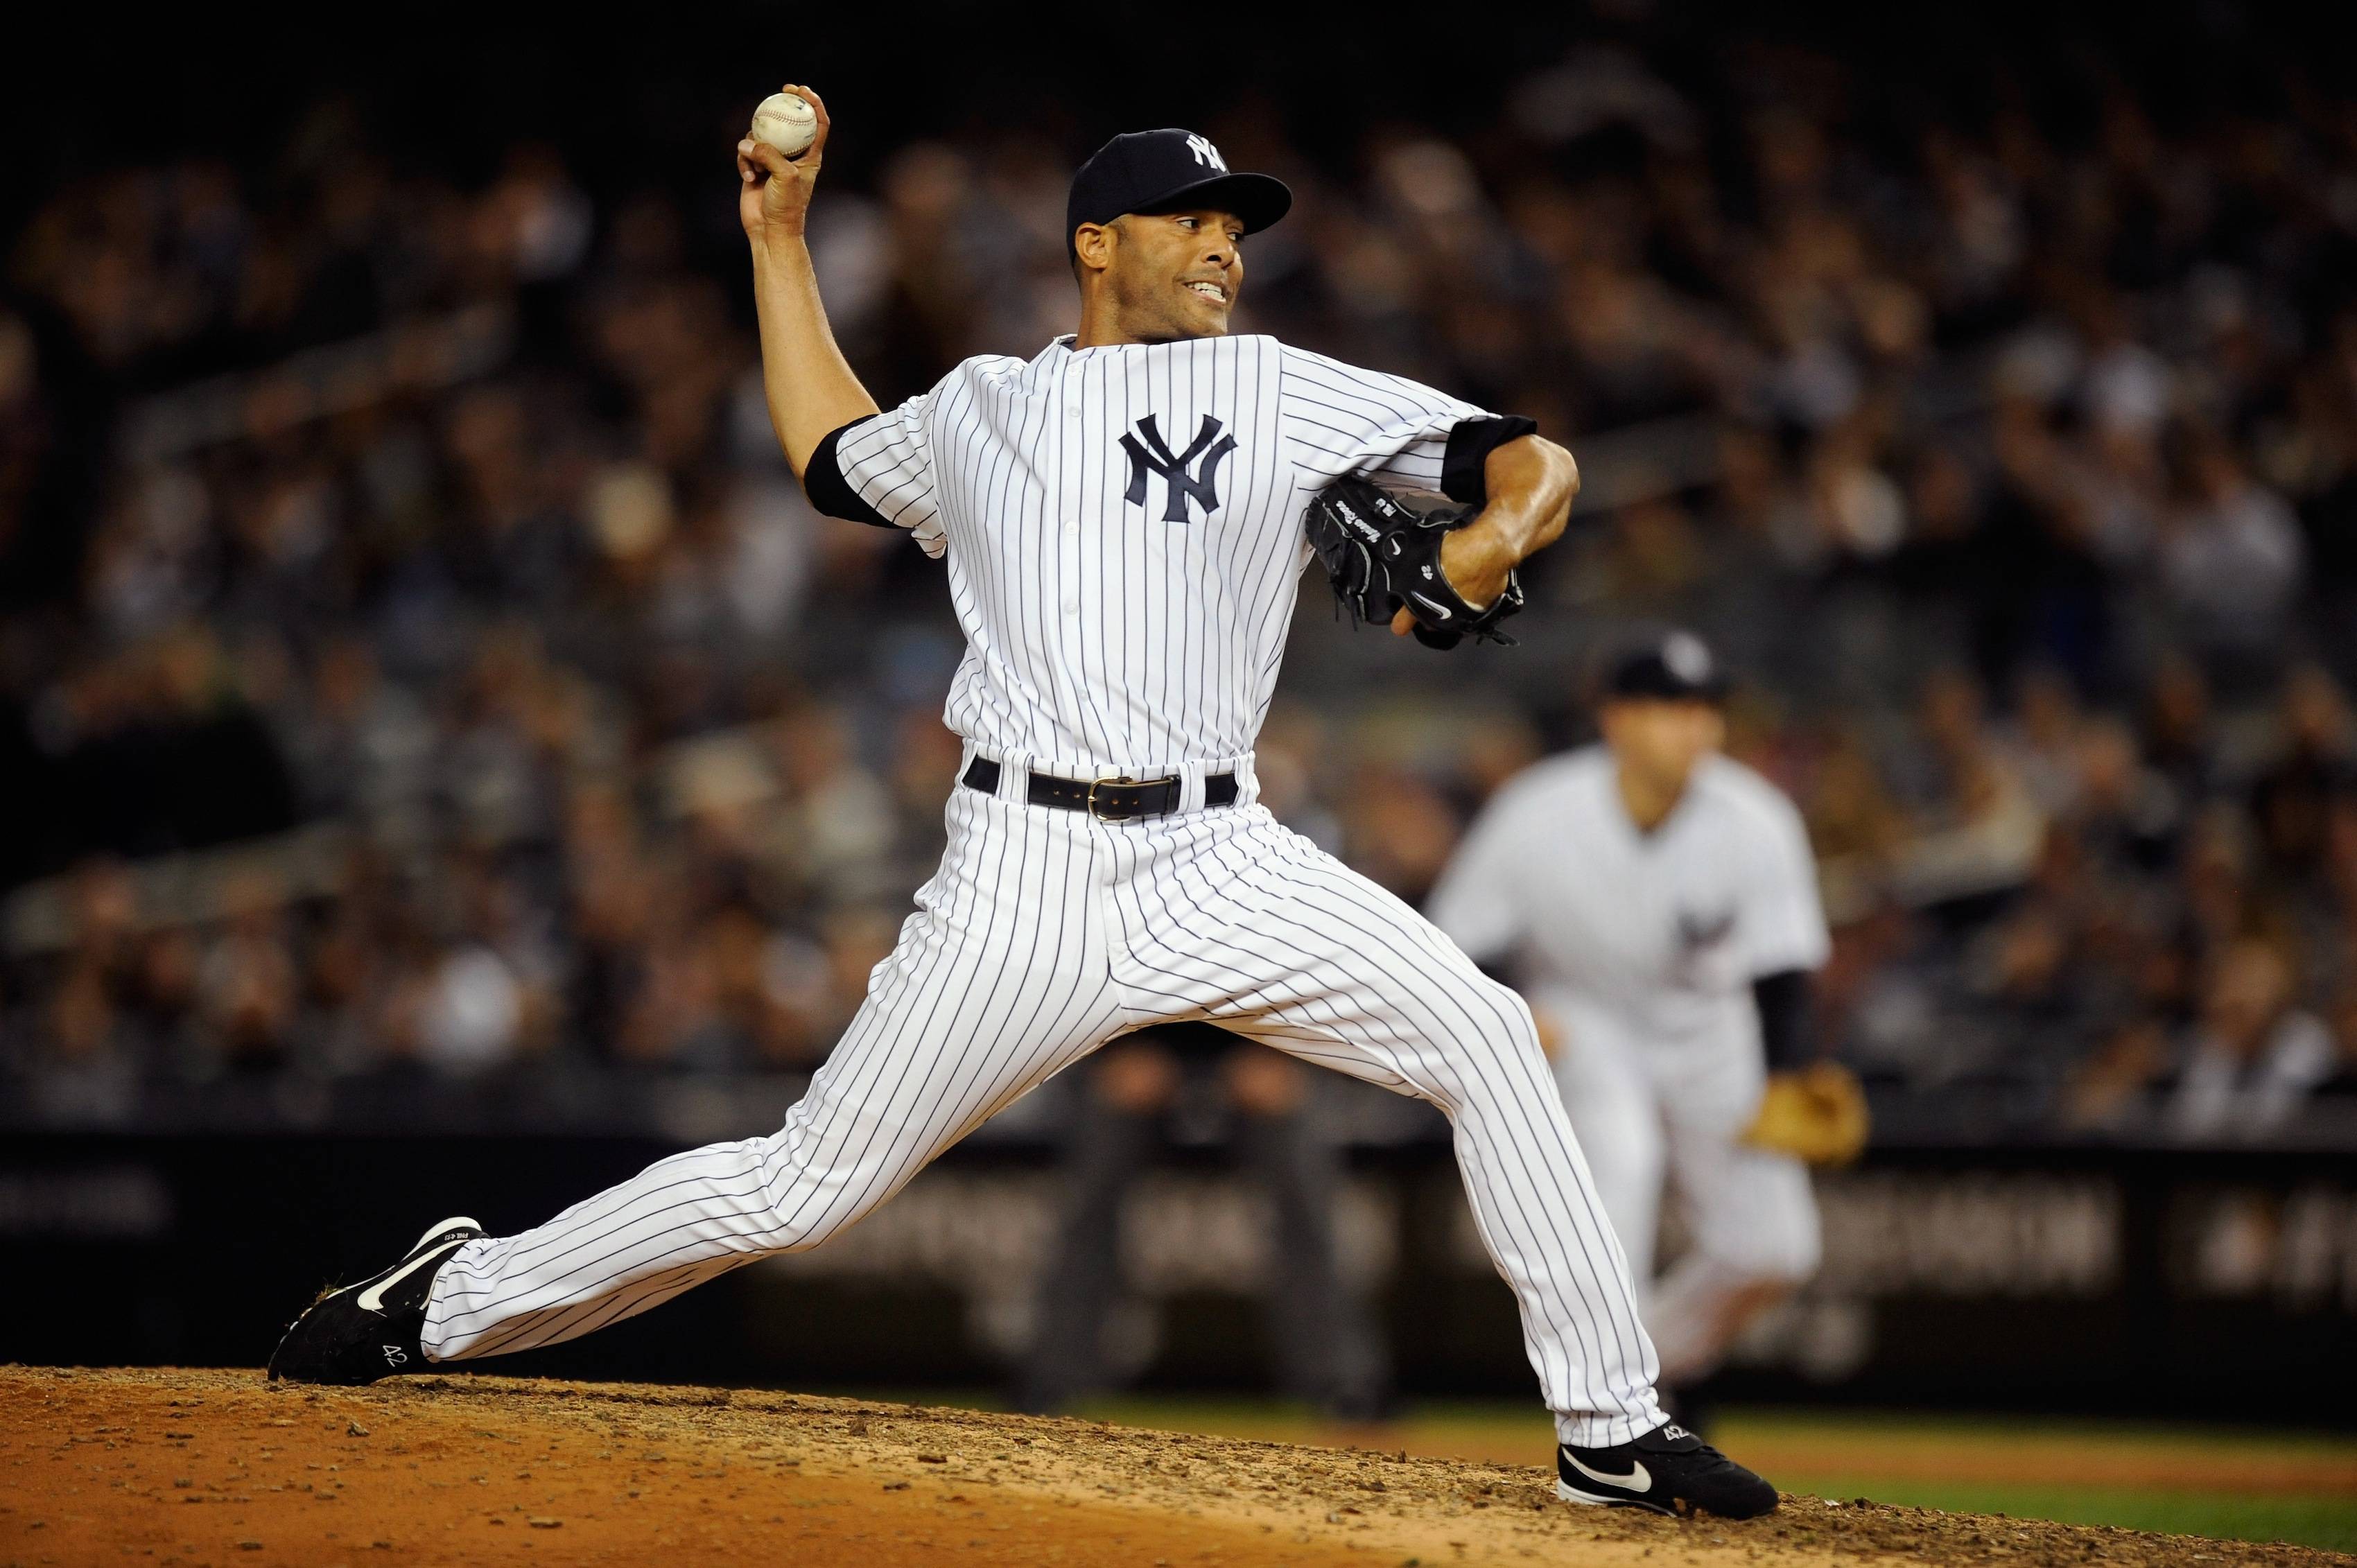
{"x": 372, "y": 1298}
{"x": 1565, "y": 1492}
{"x": 1638, "y": 1480}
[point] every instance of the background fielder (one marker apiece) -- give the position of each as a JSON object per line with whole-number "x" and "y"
{"x": 1658, "y": 902}
{"x": 1123, "y": 520}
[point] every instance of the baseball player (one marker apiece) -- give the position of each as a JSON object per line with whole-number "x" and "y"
{"x": 1122, "y": 518}
{"x": 1659, "y": 900}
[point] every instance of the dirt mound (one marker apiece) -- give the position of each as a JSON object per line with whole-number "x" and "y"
{"x": 220, "y": 1467}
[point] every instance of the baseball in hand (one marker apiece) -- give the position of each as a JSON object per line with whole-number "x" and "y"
{"x": 786, "y": 122}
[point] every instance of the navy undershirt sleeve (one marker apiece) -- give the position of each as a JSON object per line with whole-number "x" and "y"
{"x": 1470, "y": 445}
{"x": 822, "y": 481}
{"x": 1782, "y": 999}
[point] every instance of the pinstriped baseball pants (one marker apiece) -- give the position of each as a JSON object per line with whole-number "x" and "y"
{"x": 1043, "y": 935}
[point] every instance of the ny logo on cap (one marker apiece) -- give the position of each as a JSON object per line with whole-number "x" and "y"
{"x": 1148, "y": 452}
{"x": 1688, "y": 660}
{"x": 1205, "y": 154}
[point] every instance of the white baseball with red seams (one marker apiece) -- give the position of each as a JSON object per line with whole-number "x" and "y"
{"x": 787, "y": 123}
{"x": 1121, "y": 527}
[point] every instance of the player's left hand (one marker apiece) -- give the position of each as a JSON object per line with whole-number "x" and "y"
{"x": 1817, "y": 1114}
{"x": 1389, "y": 562}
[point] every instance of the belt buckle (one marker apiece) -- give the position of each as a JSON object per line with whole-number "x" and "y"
{"x": 1092, "y": 801}
{"x": 1127, "y": 782}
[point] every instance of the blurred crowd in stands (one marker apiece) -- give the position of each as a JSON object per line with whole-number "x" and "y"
{"x": 416, "y": 664}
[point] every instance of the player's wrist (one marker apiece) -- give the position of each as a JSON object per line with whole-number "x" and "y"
{"x": 778, "y": 246}
{"x": 1476, "y": 560}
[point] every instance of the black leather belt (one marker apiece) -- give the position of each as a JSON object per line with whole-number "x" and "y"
{"x": 1107, "y": 800}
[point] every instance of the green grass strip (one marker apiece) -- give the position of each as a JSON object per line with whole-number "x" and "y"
{"x": 2328, "y": 1522}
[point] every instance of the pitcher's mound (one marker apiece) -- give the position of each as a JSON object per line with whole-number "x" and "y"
{"x": 220, "y": 1467}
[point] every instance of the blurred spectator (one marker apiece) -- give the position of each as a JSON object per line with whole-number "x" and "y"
{"x": 1977, "y": 827}
{"x": 2112, "y": 1090}
{"x": 2292, "y": 801}
{"x": 2231, "y": 555}
{"x": 246, "y": 986}
{"x": 2254, "y": 1055}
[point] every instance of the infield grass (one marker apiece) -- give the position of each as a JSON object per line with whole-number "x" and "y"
{"x": 2229, "y": 1482}
{"x": 2330, "y": 1522}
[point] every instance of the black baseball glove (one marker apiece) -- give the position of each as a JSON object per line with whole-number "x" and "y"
{"x": 1381, "y": 554}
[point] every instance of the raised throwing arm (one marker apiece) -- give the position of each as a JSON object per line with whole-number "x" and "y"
{"x": 811, "y": 387}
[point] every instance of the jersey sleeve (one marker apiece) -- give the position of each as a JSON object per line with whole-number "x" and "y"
{"x": 1340, "y": 421}
{"x": 1478, "y": 901}
{"x": 1785, "y": 925}
{"x": 880, "y": 470}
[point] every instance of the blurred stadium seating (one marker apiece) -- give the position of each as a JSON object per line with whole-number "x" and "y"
{"x": 421, "y": 537}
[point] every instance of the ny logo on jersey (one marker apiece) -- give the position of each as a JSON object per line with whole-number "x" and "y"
{"x": 1699, "y": 938}
{"x": 1698, "y": 932}
{"x": 1206, "y": 154}
{"x": 1148, "y": 452}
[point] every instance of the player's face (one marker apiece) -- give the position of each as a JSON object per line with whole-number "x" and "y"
{"x": 1662, "y": 740}
{"x": 1175, "y": 275}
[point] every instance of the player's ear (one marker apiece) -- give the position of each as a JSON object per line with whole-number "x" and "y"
{"x": 1091, "y": 248}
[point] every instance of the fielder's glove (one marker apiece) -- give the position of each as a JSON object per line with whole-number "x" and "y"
{"x": 1816, "y": 1114}
{"x": 1382, "y": 554}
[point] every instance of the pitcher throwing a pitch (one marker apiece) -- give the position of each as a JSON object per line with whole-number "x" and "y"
{"x": 1122, "y": 518}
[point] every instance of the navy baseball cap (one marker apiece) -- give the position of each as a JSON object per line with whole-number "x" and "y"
{"x": 1675, "y": 667}
{"x": 1164, "y": 171}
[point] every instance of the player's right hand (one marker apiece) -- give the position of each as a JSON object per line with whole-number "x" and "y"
{"x": 776, "y": 189}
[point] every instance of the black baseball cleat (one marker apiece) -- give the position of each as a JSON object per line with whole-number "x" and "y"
{"x": 1667, "y": 1467}
{"x": 369, "y": 1330}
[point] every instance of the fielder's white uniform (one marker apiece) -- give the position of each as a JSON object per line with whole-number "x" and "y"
{"x": 1643, "y": 947}
{"x": 1123, "y": 529}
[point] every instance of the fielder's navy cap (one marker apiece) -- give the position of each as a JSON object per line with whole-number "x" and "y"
{"x": 1675, "y": 667}
{"x": 1163, "y": 171}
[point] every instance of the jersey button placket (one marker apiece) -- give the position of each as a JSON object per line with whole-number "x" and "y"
{"x": 1072, "y": 389}
{"x": 1071, "y": 527}
{"x": 1073, "y": 559}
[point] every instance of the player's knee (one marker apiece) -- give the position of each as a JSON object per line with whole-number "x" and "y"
{"x": 794, "y": 1206}
{"x": 1499, "y": 1034}
{"x": 1799, "y": 1264}
{"x": 1787, "y": 1271}
{"x": 788, "y": 1226}
{"x": 1774, "y": 1264}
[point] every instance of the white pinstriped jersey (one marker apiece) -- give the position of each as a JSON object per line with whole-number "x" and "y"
{"x": 1124, "y": 531}
{"x": 1664, "y": 931}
